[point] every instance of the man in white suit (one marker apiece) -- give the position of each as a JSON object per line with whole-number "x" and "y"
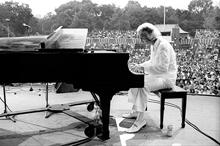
{"x": 160, "y": 73}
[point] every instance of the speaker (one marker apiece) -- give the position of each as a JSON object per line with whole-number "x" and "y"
{"x": 62, "y": 87}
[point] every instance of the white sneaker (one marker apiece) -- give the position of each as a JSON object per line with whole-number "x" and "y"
{"x": 136, "y": 127}
{"x": 131, "y": 115}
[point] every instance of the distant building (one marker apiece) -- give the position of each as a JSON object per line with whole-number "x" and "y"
{"x": 168, "y": 32}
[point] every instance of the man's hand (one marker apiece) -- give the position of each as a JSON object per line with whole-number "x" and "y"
{"x": 137, "y": 68}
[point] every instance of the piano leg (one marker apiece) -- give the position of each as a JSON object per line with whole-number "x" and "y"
{"x": 105, "y": 100}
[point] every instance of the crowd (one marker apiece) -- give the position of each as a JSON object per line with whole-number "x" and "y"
{"x": 206, "y": 33}
{"x": 199, "y": 73}
{"x": 110, "y": 40}
{"x": 198, "y": 70}
{"x": 112, "y": 34}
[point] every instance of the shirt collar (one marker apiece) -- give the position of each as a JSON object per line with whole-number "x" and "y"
{"x": 156, "y": 44}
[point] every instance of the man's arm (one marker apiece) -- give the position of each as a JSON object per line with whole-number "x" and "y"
{"x": 162, "y": 62}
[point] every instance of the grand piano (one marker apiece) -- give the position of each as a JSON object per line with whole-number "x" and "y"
{"x": 103, "y": 74}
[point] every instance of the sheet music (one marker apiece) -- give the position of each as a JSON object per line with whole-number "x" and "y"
{"x": 67, "y": 38}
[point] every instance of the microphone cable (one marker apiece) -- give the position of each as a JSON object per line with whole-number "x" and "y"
{"x": 187, "y": 121}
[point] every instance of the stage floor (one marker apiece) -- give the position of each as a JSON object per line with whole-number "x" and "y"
{"x": 34, "y": 129}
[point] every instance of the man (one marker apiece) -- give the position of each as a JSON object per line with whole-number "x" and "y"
{"x": 160, "y": 73}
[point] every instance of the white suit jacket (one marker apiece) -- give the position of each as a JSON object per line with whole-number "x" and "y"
{"x": 162, "y": 61}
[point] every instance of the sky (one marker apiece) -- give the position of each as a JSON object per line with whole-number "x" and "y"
{"x": 41, "y": 7}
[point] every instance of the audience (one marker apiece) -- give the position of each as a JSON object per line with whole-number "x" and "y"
{"x": 198, "y": 71}
{"x": 205, "y": 33}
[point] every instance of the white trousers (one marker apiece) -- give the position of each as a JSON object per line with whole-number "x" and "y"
{"x": 139, "y": 96}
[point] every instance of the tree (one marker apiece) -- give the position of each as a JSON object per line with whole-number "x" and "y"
{"x": 17, "y": 14}
{"x": 64, "y": 19}
{"x": 48, "y": 23}
{"x": 4, "y": 32}
{"x": 75, "y": 14}
{"x": 119, "y": 21}
{"x": 152, "y": 15}
{"x": 106, "y": 13}
{"x": 212, "y": 21}
{"x": 190, "y": 26}
{"x": 171, "y": 17}
{"x": 216, "y": 23}
{"x": 78, "y": 14}
{"x": 35, "y": 27}
{"x": 202, "y": 7}
{"x": 67, "y": 14}
{"x": 135, "y": 13}
{"x": 71, "y": 8}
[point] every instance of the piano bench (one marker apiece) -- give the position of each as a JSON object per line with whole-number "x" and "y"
{"x": 174, "y": 93}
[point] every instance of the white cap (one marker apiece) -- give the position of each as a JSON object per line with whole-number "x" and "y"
{"x": 155, "y": 31}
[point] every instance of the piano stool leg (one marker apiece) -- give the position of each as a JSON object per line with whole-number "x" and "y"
{"x": 162, "y": 111}
{"x": 184, "y": 100}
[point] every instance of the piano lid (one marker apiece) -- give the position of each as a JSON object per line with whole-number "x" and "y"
{"x": 67, "y": 38}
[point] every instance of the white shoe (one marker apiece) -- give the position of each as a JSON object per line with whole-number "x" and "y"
{"x": 136, "y": 127}
{"x": 131, "y": 115}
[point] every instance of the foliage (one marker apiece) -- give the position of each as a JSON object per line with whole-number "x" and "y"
{"x": 202, "y": 7}
{"x": 76, "y": 14}
{"x": 16, "y": 14}
{"x": 213, "y": 19}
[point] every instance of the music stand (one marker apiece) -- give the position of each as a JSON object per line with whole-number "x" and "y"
{"x": 6, "y": 106}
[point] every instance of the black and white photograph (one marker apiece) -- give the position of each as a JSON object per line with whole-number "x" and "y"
{"x": 110, "y": 72}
